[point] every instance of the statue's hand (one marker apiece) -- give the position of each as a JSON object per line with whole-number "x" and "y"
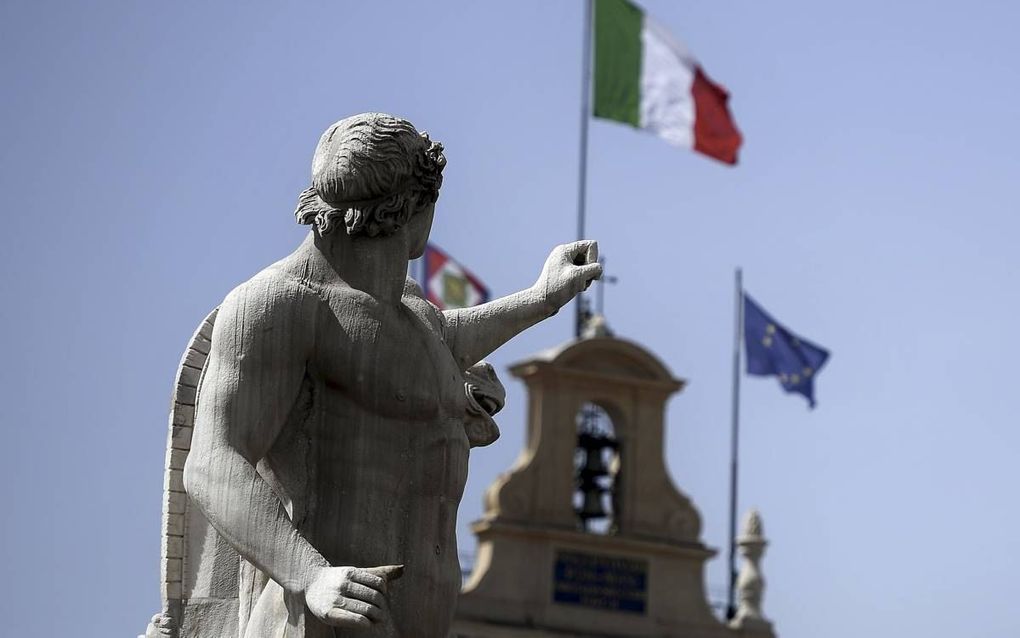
{"x": 351, "y": 597}
{"x": 569, "y": 269}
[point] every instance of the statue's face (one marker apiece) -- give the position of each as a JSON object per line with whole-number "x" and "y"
{"x": 418, "y": 229}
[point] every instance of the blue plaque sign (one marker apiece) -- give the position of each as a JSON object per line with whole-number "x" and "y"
{"x": 600, "y": 582}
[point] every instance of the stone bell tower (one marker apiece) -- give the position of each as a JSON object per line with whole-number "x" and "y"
{"x": 587, "y": 535}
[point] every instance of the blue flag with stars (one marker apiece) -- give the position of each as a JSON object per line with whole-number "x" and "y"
{"x": 773, "y": 350}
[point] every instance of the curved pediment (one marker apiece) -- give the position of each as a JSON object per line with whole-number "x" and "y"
{"x": 610, "y": 357}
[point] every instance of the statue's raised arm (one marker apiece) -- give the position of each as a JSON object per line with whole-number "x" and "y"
{"x": 477, "y": 331}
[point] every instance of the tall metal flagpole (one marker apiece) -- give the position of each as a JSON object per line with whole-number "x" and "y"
{"x": 582, "y": 173}
{"x": 731, "y": 609}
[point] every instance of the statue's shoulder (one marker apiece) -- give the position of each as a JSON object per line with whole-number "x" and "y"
{"x": 414, "y": 298}
{"x": 274, "y": 292}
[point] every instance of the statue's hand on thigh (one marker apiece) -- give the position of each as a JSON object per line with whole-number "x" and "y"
{"x": 350, "y": 597}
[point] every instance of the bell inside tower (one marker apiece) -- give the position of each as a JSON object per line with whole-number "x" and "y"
{"x": 596, "y": 471}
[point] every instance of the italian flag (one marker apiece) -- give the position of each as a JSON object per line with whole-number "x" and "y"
{"x": 645, "y": 78}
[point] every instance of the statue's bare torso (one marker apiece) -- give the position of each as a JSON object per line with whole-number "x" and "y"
{"x": 330, "y": 446}
{"x": 372, "y": 461}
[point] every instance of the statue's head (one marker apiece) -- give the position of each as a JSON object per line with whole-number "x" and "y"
{"x": 371, "y": 172}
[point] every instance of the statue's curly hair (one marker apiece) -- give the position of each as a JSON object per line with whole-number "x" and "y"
{"x": 373, "y": 171}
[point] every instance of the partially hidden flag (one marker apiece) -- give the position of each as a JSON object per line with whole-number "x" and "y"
{"x": 646, "y": 78}
{"x": 772, "y": 350}
{"x": 447, "y": 284}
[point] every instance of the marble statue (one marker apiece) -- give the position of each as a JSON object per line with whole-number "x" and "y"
{"x": 333, "y": 411}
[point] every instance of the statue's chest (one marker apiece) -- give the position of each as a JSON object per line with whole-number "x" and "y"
{"x": 388, "y": 360}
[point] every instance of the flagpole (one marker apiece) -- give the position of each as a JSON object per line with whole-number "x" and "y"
{"x": 582, "y": 173}
{"x": 731, "y": 609}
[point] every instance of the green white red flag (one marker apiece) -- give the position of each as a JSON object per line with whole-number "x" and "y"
{"x": 646, "y": 78}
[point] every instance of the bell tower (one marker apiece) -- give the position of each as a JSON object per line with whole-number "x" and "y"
{"x": 587, "y": 535}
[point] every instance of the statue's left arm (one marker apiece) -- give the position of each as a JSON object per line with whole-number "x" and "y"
{"x": 473, "y": 333}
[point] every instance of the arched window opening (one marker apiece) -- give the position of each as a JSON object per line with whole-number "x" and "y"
{"x": 596, "y": 471}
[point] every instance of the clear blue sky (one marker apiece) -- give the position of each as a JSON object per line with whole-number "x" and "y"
{"x": 152, "y": 154}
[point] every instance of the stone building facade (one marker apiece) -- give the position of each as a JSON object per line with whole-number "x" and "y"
{"x": 587, "y": 535}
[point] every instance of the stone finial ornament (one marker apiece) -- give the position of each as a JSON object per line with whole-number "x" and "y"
{"x": 323, "y": 414}
{"x": 750, "y": 583}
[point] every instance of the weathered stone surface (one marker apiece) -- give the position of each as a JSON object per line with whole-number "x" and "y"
{"x": 186, "y": 394}
{"x": 176, "y": 502}
{"x": 171, "y": 590}
{"x": 175, "y": 459}
{"x": 347, "y": 499}
{"x": 202, "y": 345}
{"x": 172, "y": 546}
{"x": 184, "y": 414}
{"x": 180, "y": 437}
{"x": 173, "y": 481}
{"x": 194, "y": 359}
{"x": 189, "y": 376}
{"x": 174, "y": 524}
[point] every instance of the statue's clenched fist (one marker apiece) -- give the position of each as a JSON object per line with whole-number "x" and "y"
{"x": 351, "y": 597}
{"x": 569, "y": 269}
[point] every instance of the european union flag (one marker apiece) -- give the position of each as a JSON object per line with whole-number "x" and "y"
{"x": 773, "y": 350}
